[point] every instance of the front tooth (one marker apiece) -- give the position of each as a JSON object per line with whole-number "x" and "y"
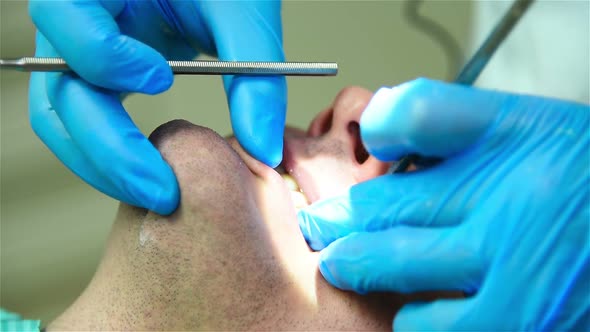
{"x": 290, "y": 182}
{"x": 299, "y": 200}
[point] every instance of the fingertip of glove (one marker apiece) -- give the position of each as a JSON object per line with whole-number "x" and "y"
{"x": 386, "y": 124}
{"x": 258, "y": 109}
{"x": 264, "y": 150}
{"x": 334, "y": 264}
{"x": 259, "y": 124}
{"x": 269, "y": 148}
{"x": 162, "y": 194}
{"x": 148, "y": 182}
{"x": 426, "y": 117}
{"x": 166, "y": 200}
{"x": 270, "y": 153}
{"x": 126, "y": 64}
{"x": 304, "y": 225}
{"x": 307, "y": 227}
{"x": 156, "y": 80}
{"x": 380, "y": 135}
{"x": 325, "y": 271}
{"x": 406, "y": 320}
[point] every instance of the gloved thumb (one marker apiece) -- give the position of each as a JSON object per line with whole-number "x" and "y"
{"x": 426, "y": 117}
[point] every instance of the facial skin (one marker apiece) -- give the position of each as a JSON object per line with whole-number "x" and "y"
{"x": 232, "y": 257}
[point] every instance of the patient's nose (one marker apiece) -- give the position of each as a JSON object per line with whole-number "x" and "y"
{"x": 330, "y": 158}
{"x": 341, "y": 122}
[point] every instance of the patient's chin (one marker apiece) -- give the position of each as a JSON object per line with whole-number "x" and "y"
{"x": 168, "y": 130}
{"x": 206, "y": 167}
{"x": 216, "y": 190}
{"x": 208, "y": 170}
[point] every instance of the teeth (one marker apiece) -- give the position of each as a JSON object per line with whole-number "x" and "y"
{"x": 290, "y": 182}
{"x": 297, "y": 195}
{"x": 299, "y": 200}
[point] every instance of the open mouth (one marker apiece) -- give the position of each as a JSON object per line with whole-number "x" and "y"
{"x": 297, "y": 196}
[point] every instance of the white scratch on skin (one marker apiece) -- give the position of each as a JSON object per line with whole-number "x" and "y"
{"x": 144, "y": 235}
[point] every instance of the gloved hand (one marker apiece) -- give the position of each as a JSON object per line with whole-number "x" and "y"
{"x": 504, "y": 218}
{"x": 121, "y": 46}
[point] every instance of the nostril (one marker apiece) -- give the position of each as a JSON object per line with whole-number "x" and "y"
{"x": 360, "y": 153}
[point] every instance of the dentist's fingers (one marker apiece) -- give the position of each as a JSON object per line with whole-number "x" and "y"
{"x": 403, "y": 259}
{"x": 440, "y": 315}
{"x": 258, "y": 111}
{"x": 47, "y": 125}
{"x": 252, "y": 31}
{"x": 427, "y": 117}
{"x": 99, "y": 127}
{"x": 418, "y": 198}
{"x": 86, "y": 35}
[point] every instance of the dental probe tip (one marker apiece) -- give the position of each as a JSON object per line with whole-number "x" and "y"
{"x": 196, "y": 67}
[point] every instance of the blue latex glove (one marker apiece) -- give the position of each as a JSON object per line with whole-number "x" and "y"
{"x": 505, "y": 218}
{"x": 121, "y": 46}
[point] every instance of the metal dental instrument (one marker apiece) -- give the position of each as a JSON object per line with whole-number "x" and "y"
{"x": 197, "y": 67}
{"x": 474, "y": 67}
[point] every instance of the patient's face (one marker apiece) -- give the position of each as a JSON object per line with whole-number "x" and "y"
{"x": 322, "y": 161}
{"x": 232, "y": 256}
{"x": 329, "y": 157}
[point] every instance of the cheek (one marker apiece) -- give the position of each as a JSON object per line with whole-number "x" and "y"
{"x": 292, "y": 252}
{"x": 275, "y": 206}
{"x": 273, "y": 199}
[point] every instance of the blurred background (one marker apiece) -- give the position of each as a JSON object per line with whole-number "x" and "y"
{"x": 53, "y": 226}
